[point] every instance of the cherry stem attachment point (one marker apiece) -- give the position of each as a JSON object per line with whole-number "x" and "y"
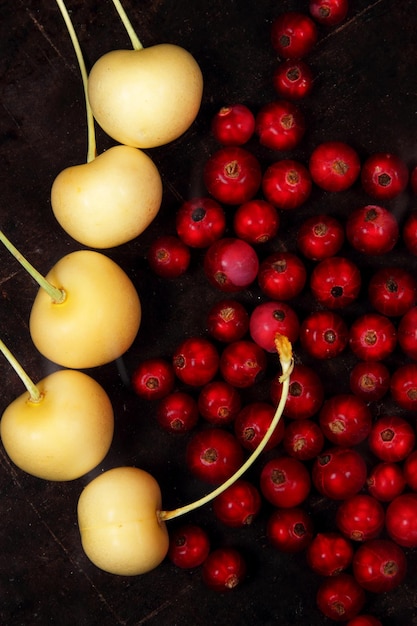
{"x": 35, "y": 394}
{"x": 136, "y": 44}
{"x": 58, "y": 296}
{"x": 284, "y": 350}
{"x": 92, "y": 149}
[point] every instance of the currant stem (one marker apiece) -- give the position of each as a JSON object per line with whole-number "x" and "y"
{"x": 92, "y": 149}
{"x": 35, "y": 394}
{"x": 285, "y": 356}
{"x": 136, "y": 44}
{"x": 57, "y": 295}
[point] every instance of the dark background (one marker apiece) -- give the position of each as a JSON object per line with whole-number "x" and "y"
{"x": 364, "y": 93}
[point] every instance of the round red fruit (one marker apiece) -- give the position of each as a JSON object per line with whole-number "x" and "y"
{"x": 219, "y": 402}
{"x": 285, "y": 482}
{"x": 213, "y": 455}
{"x": 153, "y": 379}
{"x": 379, "y": 565}
{"x": 256, "y": 221}
{"x": 177, "y": 412}
{"x": 169, "y": 256}
{"x": 370, "y": 380}
{"x": 360, "y": 518}
{"x": 324, "y": 334}
{"x": 403, "y": 386}
{"x": 335, "y": 282}
{"x": 290, "y": 530}
{"x": 286, "y": 184}
{"x": 329, "y": 12}
{"x": 227, "y": 320}
{"x": 392, "y": 291}
{"x": 233, "y": 125}
{"x": 189, "y": 546}
{"x": 386, "y": 480}
{"x": 334, "y": 166}
{"x": 339, "y": 473}
{"x": 231, "y": 264}
{"x": 292, "y": 79}
{"x": 306, "y": 393}
{"x": 243, "y": 363}
{"x": 252, "y": 422}
{"x": 407, "y": 333}
{"x": 282, "y": 276}
{"x": 392, "y": 438}
{"x": 340, "y": 597}
{"x": 372, "y": 230}
{"x": 384, "y": 176}
{"x": 268, "y": 319}
{"x": 293, "y": 35}
{"x": 372, "y": 337}
{"x": 200, "y": 222}
{"x": 329, "y": 554}
{"x": 195, "y": 361}
{"x": 345, "y": 419}
{"x": 409, "y": 233}
{"x": 320, "y": 237}
{"x": 280, "y": 125}
{"x": 232, "y": 175}
{"x": 401, "y": 520}
{"x": 238, "y": 505}
{"x": 224, "y": 569}
{"x": 303, "y": 439}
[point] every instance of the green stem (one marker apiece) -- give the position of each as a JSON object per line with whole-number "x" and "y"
{"x": 92, "y": 149}
{"x": 287, "y": 364}
{"x": 57, "y": 295}
{"x": 136, "y": 44}
{"x": 35, "y": 394}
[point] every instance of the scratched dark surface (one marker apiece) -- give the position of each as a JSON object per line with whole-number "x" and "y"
{"x": 365, "y": 93}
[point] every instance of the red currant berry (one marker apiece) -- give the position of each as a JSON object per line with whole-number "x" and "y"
{"x": 285, "y": 482}
{"x": 407, "y": 333}
{"x": 403, "y": 386}
{"x": 232, "y": 175}
{"x": 364, "y": 620}
{"x": 386, "y": 481}
{"x": 292, "y": 79}
{"x": 334, "y": 166}
{"x": 306, "y": 393}
{"x": 372, "y": 337}
{"x": 401, "y": 520}
{"x": 379, "y": 565}
{"x": 213, "y": 455}
{"x": 329, "y": 12}
{"x": 391, "y": 438}
{"x": 224, "y": 569}
{"x": 320, "y": 237}
{"x": 200, "y": 222}
{"x": 360, "y": 518}
{"x": 345, "y": 419}
{"x": 233, "y": 125}
{"x": 282, "y": 276}
{"x": 238, "y": 505}
{"x": 280, "y": 125}
{"x": 268, "y": 319}
{"x": 253, "y": 421}
{"x": 290, "y": 530}
{"x": 339, "y": 473}
{"x": 340, "y": 597}
{"x": 195, "y": 361}
{"x": 409, "y": 233}
{"x": 372, "y": 230}
{"x": 286, "y": 184}
{"x": 335, "y": 282}
{"x": 329, "y": 554}
{"x": 189, "y": 546}
{"x": 324, "y": 334}
{"x": 231, "y": 264}
{"x": 370, "y": 380}
{"x": 243, "y": 363}
{"x": 392, "y": 291}
{"x": 303, "y": 439}
{"x": 293, "y": 35}
{"x": 219, "y": 402}
{"x": 256, "y": 221}
{"x": 177, "y": 412}
{"x": 384, "y": 176}
{"x": 169, "y": 256}
{"x": 153, "y": 379}
{"x": 409, "y": 472}
{"x": 227, "y": 321}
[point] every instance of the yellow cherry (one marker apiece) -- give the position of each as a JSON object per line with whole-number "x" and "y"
{"x": 145, "y": 97}
{"x": 98, "y": 317}
{"x": 109, "y": 200}
{"x": 118, "y": 522}
{"x": 63, "y": 433}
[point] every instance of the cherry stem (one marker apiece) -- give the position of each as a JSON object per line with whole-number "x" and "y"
{"x": 136, "y": 44}
{"x": 57, "y": 295}
{"x": 284, "y": 350}
{"x": 92, "y": 149}
{"x": 35, "y": 394}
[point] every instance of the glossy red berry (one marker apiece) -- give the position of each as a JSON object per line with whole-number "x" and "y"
{"x": 407, "y": 333}
{"x": 256, "y": 221}
{"x": 231, "y": 264}
{"x": 392, "y": 438}
{"x": 282, "y": 276}
{"x": 386, "y": 480}
{"x": 372, "y": 337}
{"x": 384, "y": 176}
{"x": 224, "y": 569}
{"x": 252, "y": 422}
{"x": 290, "y": 530}
{"x": 169, "y": 256}
{"x": 329, "y": 12}
{"x": 285, "y": 482}
{"x": 303, "y": 439}
{"x": 329, "y": 553}
{"x": 306, "y": 393}
{"x": 320, "y": 237}
{"x": 213, "y": 455}
{"x": 177, "y": 412}
{"x": 292, "y": 79}
{"x": 189, "y": 546}
{"x": 232, "y": 175}
{"x": 286, "y": 184}
{"x": 153, "y": 378}
{"x": 364, "y": 620}
{"x": 335, "y": 282}
{"x": 233, "y": 125}
{"x": 345, "y": 419}
{"x": 219, "y": 402}
{"x": 340, "y": 597}
{"x": 403, "y": 386}
{"x": 334, "y": 166}
{"x": 409, "y": 472}
{"x": 227, "y": 320}
{"x": 293, "y": 35}
{"x": 271, "y": 318}
{"x": 392, "y": 291}
{"x": 324, "y": 334}
{"x": 200, "y": 222}
{"x": 360, "y": 518}
{"x": 280, "y": 125}
{"x": 339, "y": 473}
{"x": 401, "y": 520}
{"x": 370, "y": 380}
{"x": 409, "y": 233}
{"x": 238, "y": 505}
{"x": 243, "y": 363}
{"x": 195, "y": 361}
{"x": 372, "y": 230}
{"x": 379, "y": 565}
